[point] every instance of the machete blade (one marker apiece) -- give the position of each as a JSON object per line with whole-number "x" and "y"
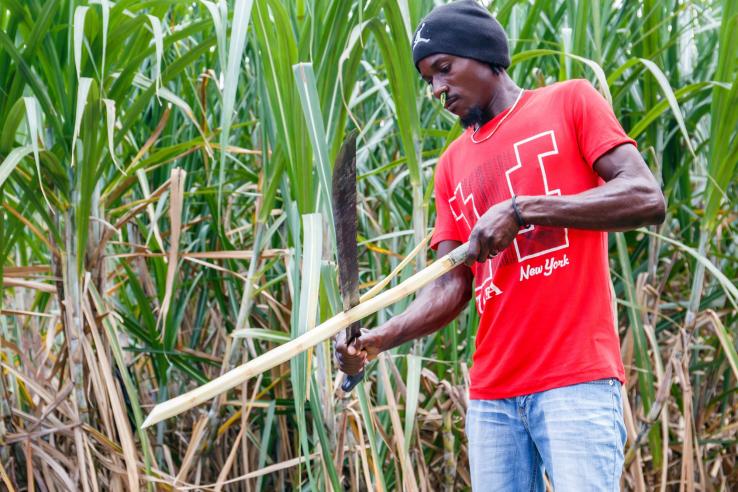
{"x": 344, "y": 217}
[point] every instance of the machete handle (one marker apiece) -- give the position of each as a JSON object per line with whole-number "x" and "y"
{"x": 350, "y": 381}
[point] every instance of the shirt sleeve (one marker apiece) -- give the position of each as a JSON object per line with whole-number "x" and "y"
{"x": 445, "y": 229}
{"x": 597, "y": 128}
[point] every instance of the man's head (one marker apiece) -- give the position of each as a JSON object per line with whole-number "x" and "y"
{"x": 459, "y": 49}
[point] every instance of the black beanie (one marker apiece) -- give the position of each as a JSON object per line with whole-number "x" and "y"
{"x": 462, "y": 28}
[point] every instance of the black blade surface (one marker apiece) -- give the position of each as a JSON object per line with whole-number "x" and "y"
{"x": 344, "y": 216}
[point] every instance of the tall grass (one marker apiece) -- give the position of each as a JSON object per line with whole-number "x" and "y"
{"x": 165, "y": 215}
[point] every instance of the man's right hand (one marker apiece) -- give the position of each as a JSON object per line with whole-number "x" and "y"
{"x": 352, "y": 358}
{"x": 433, "y": 308}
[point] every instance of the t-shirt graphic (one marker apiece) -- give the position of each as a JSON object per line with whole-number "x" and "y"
{"x": 544, "y": 302}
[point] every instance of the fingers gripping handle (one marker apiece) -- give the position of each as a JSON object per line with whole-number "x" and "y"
{"x": 350, "y": 381}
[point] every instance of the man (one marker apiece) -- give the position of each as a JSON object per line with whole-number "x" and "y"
{"x": 533, "y": 184}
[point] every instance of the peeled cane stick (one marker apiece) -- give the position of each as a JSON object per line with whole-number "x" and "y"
{"x": 311, "y": 338}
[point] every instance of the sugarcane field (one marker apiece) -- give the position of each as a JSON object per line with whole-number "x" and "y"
{"x": 368, "y": 245}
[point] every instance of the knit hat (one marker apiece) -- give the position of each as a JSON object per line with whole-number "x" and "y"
{"x": 462, "y": 28}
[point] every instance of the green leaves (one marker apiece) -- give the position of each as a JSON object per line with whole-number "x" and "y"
{"x": 82, "y": 91}
{"x": 724, "y": 121}
{"x": 12, "y": 160}
{"x": 241, "y": 16}
{"x": 305, "y": 80}
{"x": 79, "y": 36}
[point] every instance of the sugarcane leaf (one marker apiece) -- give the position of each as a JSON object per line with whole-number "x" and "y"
{"x": 12, "y": 160}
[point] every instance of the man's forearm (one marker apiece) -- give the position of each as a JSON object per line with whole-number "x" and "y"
{"x": 617, "y": 205}
{"x": 433, "y": 308}
{"x": 630, "y": 198}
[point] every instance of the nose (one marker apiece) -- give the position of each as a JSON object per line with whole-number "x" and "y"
{"x": 439, "y": 89}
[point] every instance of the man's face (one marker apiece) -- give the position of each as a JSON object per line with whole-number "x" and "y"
{"x": 468, "y": 84}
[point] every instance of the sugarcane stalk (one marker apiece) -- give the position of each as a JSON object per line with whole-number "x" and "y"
{"x": 288, "y": 350}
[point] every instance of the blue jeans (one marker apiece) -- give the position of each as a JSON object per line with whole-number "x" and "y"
{"x": 576, "y": 433}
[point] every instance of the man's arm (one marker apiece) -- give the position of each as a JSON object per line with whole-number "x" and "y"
{"x": 435, "y": 306}
{"x": 630, "y": 198}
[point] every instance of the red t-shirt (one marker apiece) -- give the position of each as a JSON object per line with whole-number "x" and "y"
{"x": 545, "y": 307}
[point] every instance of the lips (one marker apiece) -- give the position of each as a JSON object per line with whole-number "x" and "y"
{"x": 450, "y": 101}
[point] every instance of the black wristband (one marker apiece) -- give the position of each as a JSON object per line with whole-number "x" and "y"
{"x": 518, "y": 216}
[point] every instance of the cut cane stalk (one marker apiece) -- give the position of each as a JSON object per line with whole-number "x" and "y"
{"x": 322, "y": 332}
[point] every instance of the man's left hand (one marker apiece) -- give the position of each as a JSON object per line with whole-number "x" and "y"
{"x": 493, "y": 232}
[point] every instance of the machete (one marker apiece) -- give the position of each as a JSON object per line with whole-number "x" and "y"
{"x": 344, "y": 217}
